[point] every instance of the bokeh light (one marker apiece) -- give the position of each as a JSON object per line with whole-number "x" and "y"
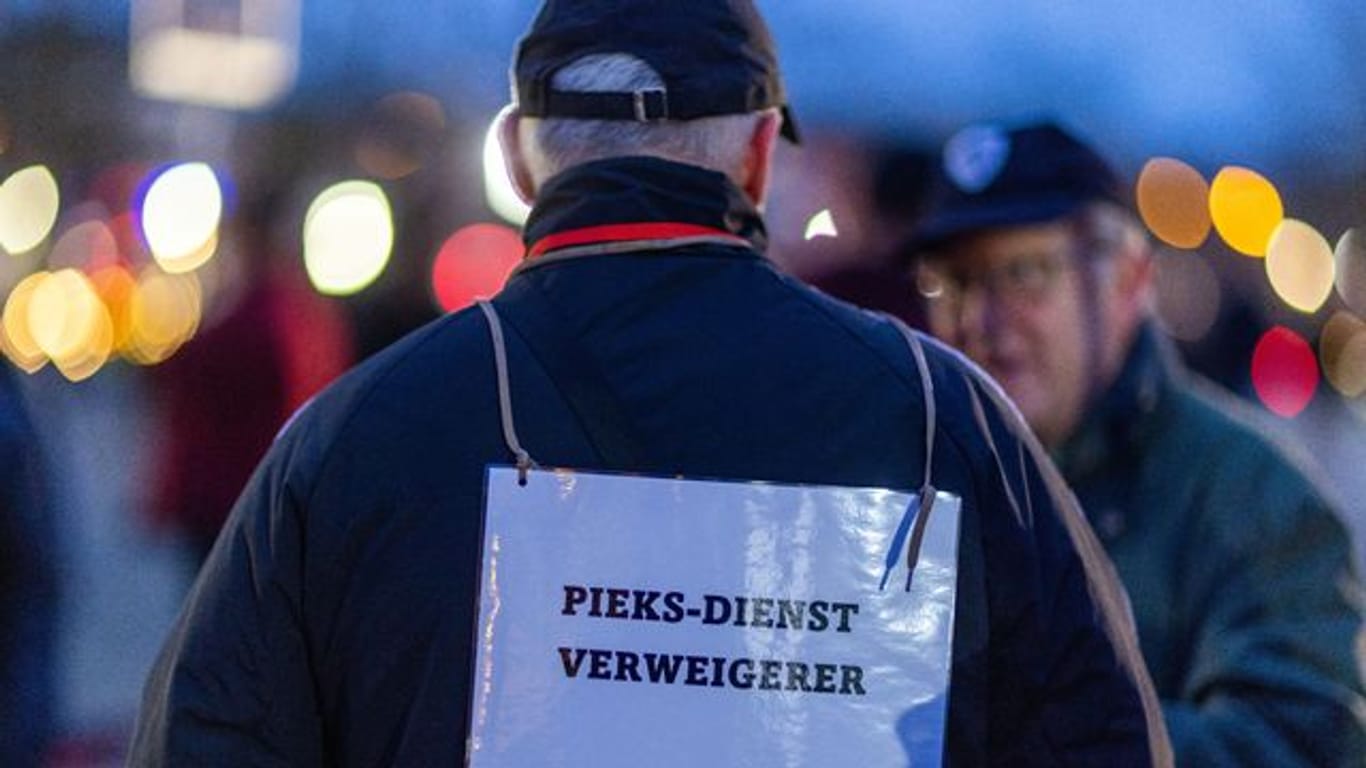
{"x": 1188, "y": 295}
{"x": 498, "y": 189}
{"x": 18, "y": 343}
{"x": 70, "y": 324}
{"x": 181, "y": 214}
{"x": 87, "y": 245}
{"x": 1173, "y": 199}
{"x": 164, "y": 313}
{"x": 29, "y": 202}
{"x": 194, "y": 260}
{"x": 474, "y": 264}
{"x": 1342, "y": 350}
{"x": 59, "y": 316}
{"x": 1245, "y": 208}
{"x": 402, "y": 133}
{"x": 1285, "y": 372}
{"x": 348, "y": 237}
{"x": 115, "y": 287}
{"x": 821, "y": 225}
{"x": 1350, "y": 256}
{"x": 91, "y": 356}
{"x": 1299, "y": 263}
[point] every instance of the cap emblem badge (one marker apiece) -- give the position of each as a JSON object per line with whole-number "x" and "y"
{"x": 975, "y": 156}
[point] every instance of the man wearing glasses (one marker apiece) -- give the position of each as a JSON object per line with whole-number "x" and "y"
{"x": 1239, "y": 570}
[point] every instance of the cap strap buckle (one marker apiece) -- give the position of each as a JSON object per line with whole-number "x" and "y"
{"x": 650, "y": 104}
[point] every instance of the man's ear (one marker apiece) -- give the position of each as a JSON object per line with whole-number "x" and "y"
{"x": 1135, "y": 273}
{"x": 510, "y": 138}
{"x": 759, "y": 156}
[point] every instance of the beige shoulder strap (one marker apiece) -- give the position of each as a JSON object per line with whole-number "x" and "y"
{"x": 500, "y": 361}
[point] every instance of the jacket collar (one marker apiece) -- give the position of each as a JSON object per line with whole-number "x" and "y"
{"x": 647, "y": 191}
{"x": 1123, "y": 419}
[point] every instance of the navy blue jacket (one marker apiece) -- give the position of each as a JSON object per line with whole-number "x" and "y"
{"x": 332, "y": 623}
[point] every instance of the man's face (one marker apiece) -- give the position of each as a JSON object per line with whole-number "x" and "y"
{"x": 1012, "y": 300}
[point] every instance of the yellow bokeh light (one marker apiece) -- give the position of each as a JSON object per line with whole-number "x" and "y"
{"x": 164, "y": 311}
{"x": 87, "y": 359}
{"x": 1173, "y": 199}
{"x": 69, "y": 323}
{"x": 1299, "y": 263}
{"x": 181, "y": 215}
{"x": 1350, "y": 256}
{"x": 1342, "y": 352}
{"x": 498, "y": 189}
{"x": 191, "y": 261}
{"x": 348, "y": 237}
{"x": 59, "y": 316}
{"x": 18, "y": 343}
{"x": 29, "y": 203}
{"x": 1246, "y": 209}
{"x": 821, "y": 225}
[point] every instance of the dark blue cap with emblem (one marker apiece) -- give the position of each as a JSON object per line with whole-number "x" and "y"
{"x": 716, "y": 57}
{"x": 990, "y": 178}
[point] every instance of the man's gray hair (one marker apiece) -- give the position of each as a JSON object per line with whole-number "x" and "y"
{"x": 551, "y": 145}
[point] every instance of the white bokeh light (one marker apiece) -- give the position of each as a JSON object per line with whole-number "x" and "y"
{"x": 181, "y": 215}
{"x": 1299, "y": 264}
{"x": 348, "y": 237}
{"x": 821, "y": 225}
{"x": 29, "y": 203}
{"x": 498, "y": 189}
{"x": 1350, "y": 255}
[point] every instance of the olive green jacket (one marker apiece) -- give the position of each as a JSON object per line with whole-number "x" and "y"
{"x": 1241, "y": 574}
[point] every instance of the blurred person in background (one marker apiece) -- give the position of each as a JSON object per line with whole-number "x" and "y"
{"x": 333, "y": 622}
{"x": 874, "y": 278}
{"x": 225, "y": 394}
{"x": 28, "y": 588}
{"x": 1239, "y": 569}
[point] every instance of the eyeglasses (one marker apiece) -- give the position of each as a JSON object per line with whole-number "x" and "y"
{"x": 1024, "y": 280}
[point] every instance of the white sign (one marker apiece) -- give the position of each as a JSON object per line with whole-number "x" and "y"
{"x": 637, "y": 621}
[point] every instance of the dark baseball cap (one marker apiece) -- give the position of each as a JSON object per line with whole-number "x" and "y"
{"x": 989, "y": 178}
{"x": 716, "y": 57}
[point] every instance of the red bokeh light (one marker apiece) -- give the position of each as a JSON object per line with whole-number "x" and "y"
{"x": 474, "y": 264}
{"x": 128, "y": 239}
{"x": 1285, "y": 372}
{"x": 116, "y": 187}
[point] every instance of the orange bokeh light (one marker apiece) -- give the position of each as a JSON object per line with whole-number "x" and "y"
{"x": 1173, "y": 199}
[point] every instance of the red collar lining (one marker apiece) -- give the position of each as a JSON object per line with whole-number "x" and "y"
{"x": 616, "y": 233}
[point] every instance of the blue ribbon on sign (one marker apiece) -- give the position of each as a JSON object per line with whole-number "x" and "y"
{"x": 912, "y": 526}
